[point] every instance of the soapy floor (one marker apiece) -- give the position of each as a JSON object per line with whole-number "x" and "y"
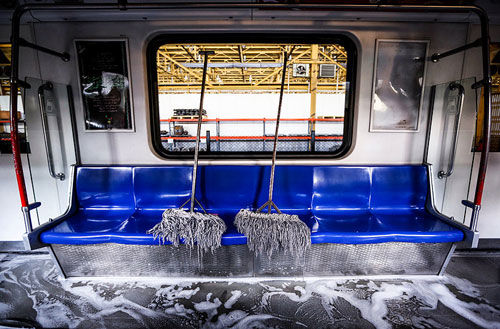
{"x": 33, "y": 295}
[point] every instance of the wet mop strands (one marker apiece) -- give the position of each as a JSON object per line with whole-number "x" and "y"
{"x": 271, "y": 232}
{"x": 194, "y": 228}
{"x": 200, "y": 229}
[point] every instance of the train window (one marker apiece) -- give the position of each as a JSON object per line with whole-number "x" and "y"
{"x": 5, "y": 90}
{"x": 242, "y": 92}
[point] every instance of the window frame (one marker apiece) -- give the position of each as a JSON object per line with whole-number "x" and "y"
{"x": 249, "y": 37}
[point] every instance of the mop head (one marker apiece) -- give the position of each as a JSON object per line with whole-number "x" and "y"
{"x": 203, "y": 230}
{"x": 268, "y": 233}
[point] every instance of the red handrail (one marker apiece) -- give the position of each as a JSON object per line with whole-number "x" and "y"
{"x": 254, "y": 137}
{"x": 256, "y": 119}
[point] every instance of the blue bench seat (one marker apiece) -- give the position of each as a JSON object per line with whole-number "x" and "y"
{"x": 341, "y": 204}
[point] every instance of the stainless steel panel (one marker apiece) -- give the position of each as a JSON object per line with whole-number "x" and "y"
{"x": 393, "y": 258}
{"x": 139, "y": 260}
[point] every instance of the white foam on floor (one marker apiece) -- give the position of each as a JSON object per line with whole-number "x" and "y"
{"x": 208, "y": 307}
{"x": 373, "y": 309}
{"x": 97, "y": 299}
{"x": 235, "y": 295}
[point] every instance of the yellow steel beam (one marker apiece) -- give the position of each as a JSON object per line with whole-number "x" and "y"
{"x": 175, "y": 55}
{"x": 189, "y": 53}
{"x": 240, "y": 52}
{"x": 183, "y": 67}
{"x": 340, "y": 50}
{"x": 275, "y": 87}
{"x": 333, "y": 61}
{"x": 279, "y": 69}
{"x": 314, "y": 87}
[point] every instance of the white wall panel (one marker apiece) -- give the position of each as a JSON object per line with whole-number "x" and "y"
{"x": 115, "y": 148}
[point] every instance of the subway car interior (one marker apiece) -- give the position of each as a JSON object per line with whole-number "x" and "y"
{"x": 249, "y": 164}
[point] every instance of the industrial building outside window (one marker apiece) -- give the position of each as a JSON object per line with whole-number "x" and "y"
{"x": 242, "y": 92}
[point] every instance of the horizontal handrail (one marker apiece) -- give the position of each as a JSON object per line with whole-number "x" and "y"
{"x": 8, "y": 121}
{"x": 256, "y": 120}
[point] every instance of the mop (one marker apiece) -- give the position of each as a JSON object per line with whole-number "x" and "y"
{"x": 201, "y": 229}
{"x": 271, "y": 232}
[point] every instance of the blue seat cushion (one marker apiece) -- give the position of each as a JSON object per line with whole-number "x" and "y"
{"x": 359, "y": 227}
{"x": 89, "y": 226}
{"x": 348, "y": 227}
{"x": 340, "y": 204}
{"x": 105, "y": 187}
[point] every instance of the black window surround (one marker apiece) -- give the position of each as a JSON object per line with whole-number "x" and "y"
{"x": 282, "y": 38}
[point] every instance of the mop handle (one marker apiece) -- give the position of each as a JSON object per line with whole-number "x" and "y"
{"x": 273, "y": 164}
{"x": 198, "y": 130}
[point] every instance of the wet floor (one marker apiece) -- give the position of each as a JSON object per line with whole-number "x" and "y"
{"x": 33, "y": 295}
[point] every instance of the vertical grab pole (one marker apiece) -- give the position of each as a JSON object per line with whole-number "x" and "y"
{"x": 14, "y": 137}
{"x": 16, "y": 42}
{"x": 451, "y": 161}
{"x": 486, "y": 82}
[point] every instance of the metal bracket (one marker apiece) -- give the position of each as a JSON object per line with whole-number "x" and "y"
{"x": 437, "y": 56}
{"x": 20, "y": 83}
{"x": 24, "y": 43}
{"x": 475, "y": 213}
{"x": 197, "y": 202}
{"x": 481, "y": 83}
{"x": 469, "y": 204}
{"x": 34, "y": 205}
{"x": 447, "y": 259}
{"x": 27, "y": 216}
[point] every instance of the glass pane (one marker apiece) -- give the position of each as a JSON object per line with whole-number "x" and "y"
{"x": 242, "y": 94}
{"x": 51, "y": 142}
{"x": 398, "y": 83}
{"x": 450, "y": 146}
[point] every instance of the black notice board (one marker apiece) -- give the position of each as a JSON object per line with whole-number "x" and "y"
{"x": 105, "y": 84}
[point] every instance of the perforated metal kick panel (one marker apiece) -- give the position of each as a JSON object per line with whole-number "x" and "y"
{"x": 393, "y": 258}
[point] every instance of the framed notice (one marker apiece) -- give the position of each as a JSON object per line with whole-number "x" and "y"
{"x": 103, "y": 71}
{"x": 398, "y": 85}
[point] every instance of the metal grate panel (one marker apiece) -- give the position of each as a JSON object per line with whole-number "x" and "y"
{"x": 393, "y": 258}
{"x": 254, "y": 146}
{"x": 495, "y": 123}
{"x": 111, "y": 259}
